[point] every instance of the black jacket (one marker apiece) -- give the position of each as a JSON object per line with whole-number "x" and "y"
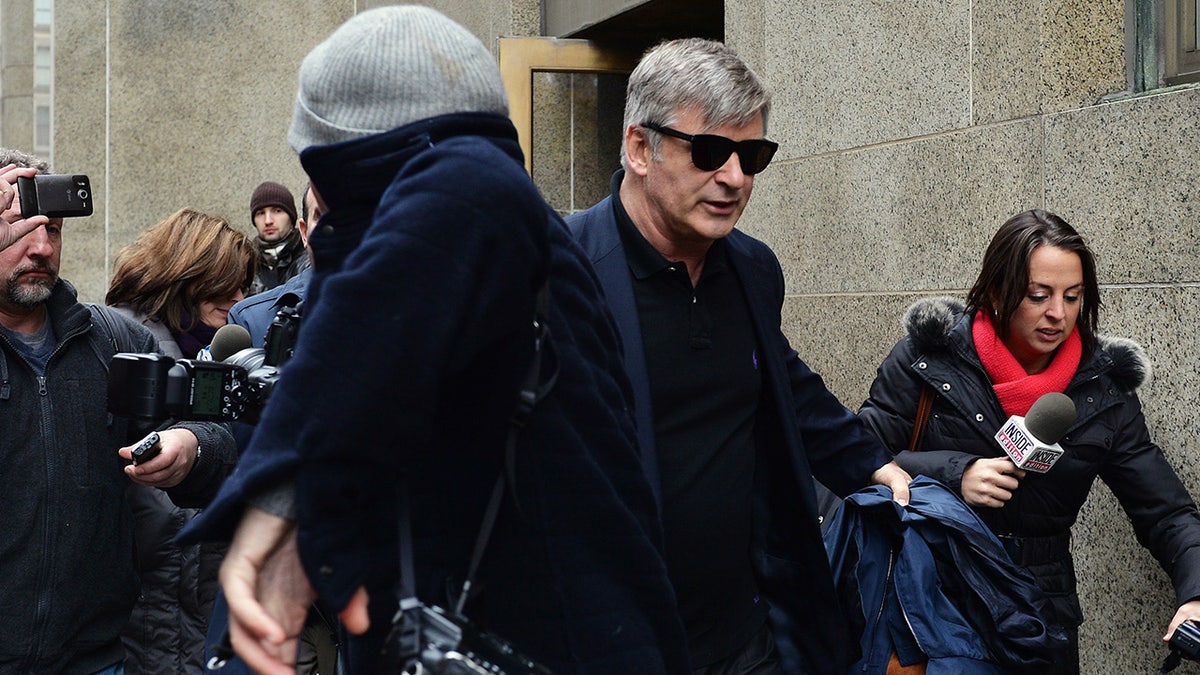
{"x": 67, "y": 572}
{"x": 166, "y": 631}
{"x": 1108, "y": 440}
{"x": 801, "y": 431}
{"x": 289, "y": 260}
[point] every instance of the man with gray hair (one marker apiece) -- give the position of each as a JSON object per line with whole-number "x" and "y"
{"x": 433, "y": 258}
{"x": 13, "y": 165}
{"x": 68, "y": 573}
{"x": 732, "y": 424}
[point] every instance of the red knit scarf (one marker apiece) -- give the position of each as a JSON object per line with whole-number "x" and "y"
{"x": 1016, "y": 389}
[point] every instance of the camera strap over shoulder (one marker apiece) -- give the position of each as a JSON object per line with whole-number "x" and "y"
{"x": 114, "y": 329}
{"x": 538, "y": 381}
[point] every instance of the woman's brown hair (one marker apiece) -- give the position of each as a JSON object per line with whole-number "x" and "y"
{"x": 1004, "y": 276}
{"x": 173, "y": 266}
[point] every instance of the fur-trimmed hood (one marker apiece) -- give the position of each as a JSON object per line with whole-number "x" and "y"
{"x": 930, "y": 322}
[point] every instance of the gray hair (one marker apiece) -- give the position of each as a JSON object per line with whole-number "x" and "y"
{"x": 23, "y": 160}
{"x": 693, "y": 73}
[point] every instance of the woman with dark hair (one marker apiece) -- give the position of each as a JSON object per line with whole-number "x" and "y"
{"x": 179, "y": 279}
{"x": 1029, "y": 327}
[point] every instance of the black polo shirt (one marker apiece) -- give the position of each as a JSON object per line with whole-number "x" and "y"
{"x": 702, "y": 362}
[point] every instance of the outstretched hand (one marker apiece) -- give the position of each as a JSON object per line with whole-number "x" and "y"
{"x": 268, "y": 592}
{"x": 179, "y": 454}
{"x": 1188, "y": 611}
{"x": 12, "y": 226}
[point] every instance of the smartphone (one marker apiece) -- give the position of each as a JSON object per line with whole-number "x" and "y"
{"x": 55, "y": 195}
{"x": 147, "y": 448}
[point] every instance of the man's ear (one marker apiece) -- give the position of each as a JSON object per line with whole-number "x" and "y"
{"x": 637, "y": 149}
{"x": 302, "y": 225}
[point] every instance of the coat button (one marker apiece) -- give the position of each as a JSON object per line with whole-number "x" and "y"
{"x": 1091, "y": 400}
{"x": 946, "y": 387}
{"x": 922, "y": 365}
{"x": 978, "y": 417}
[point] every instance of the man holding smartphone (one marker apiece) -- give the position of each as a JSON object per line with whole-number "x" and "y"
{"x": 67, "y": 567}
{"x": 11, "y": 232}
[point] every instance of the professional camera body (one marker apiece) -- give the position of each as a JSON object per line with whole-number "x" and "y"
{"x": 155, "y": 387}
{"x": 429, "y": 640}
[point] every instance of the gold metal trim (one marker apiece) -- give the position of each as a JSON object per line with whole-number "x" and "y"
{"x": 520, "y": 58}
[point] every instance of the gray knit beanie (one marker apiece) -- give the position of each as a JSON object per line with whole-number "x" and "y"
{"x": 388, "y": 67}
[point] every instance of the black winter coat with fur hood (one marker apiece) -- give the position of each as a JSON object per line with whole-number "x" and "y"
{"x": 1109, "y": 439}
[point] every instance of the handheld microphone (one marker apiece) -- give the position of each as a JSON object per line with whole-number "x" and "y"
{"x": 1031, "y": 442}
{"x": 229, "y": 340}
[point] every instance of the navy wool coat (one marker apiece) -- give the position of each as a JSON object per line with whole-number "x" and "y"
{"x": 417, "y": 331}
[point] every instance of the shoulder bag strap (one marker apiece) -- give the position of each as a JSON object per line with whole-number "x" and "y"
{"x": 115, "y": 328}
{"x": 924, "y": 408}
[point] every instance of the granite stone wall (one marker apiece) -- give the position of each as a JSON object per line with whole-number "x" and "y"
{"x": 186, "y": 103}
{"x": 909, "y": 133}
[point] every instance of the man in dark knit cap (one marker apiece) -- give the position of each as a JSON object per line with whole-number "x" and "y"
{"x": 281, "y": 253}
{"x": 433, "y": 254}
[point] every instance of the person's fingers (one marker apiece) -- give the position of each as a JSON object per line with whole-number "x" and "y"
{"x": 261, "y": 656}
{"x": 253, "y": 634}
{"x": 248, "y": 577}
{"x": 238, "y": 579}
{"x": 354, "y": 616}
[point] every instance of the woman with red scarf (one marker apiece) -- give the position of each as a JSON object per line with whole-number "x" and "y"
{"x": 1029, "y": 328}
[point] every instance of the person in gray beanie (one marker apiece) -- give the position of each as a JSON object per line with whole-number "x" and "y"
{"x": 436, "y": 260}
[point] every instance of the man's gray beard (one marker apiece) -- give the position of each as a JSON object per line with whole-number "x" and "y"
{"x": 28, "y": 295}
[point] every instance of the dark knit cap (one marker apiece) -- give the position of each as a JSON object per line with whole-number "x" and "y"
{"x": 272, "y": 194}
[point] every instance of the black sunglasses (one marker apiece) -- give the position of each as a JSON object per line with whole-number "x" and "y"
{"x": 710, "y": 152}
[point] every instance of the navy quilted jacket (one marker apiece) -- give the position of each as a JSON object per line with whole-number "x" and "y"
{"x": 929, "y": 580}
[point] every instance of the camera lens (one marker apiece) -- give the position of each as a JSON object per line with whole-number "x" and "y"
{"x": 83, "y": 194}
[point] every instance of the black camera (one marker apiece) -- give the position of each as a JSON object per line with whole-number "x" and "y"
{"x": 154, "y": 387}
{"x": 55, "y": 195}
{"x": 429, "y": 640}
{"x": 1186, "y": 640}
